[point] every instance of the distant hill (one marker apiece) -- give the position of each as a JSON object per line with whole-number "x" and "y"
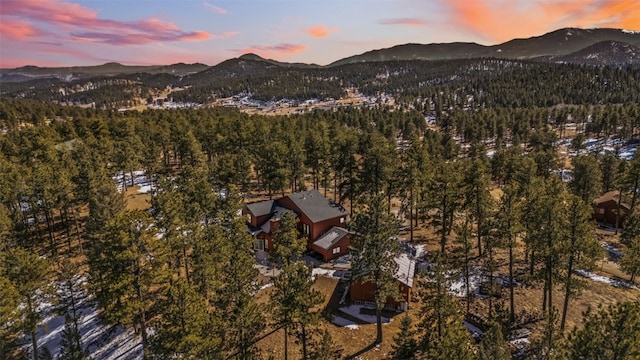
{"x": 607, "y": 52}
{"x": 109, "y": 69}
{"x": 556, "y": 43}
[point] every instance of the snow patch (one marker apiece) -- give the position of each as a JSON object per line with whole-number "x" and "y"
{"x": 342, "y": 322}
{"x": 354, "y": 310}
{"x": 604, "y": 279}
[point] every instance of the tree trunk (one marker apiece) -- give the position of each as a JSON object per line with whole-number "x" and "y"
{"x": 286, "y": 343}
{"x": 304, "y": 341}
{"x": 34, "y": 339}
{"x": 512, "y": 311}
{"x": 378, "y": 325}
{"x": 567, "y": 292}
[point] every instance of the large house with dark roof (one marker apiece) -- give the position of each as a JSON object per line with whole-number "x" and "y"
{"x": 319, "y": 219}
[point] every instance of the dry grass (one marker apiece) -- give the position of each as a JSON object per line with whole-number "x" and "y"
{"x": 135, "y": 201}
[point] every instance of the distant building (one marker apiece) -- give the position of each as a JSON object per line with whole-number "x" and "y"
{"x": 605, "y": 209}
{"x": 364, "y": 293}
{"x": 319, "y": 219}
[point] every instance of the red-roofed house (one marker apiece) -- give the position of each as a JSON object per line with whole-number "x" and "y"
{"x": 320, "y": 219}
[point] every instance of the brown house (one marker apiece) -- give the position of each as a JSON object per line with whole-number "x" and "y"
{"x": 319, "y": 219}
{"x": 605, "y": 209}
{"x": 364, "y": 293}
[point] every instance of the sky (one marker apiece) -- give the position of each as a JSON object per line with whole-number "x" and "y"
{"x": 56, "y": 33}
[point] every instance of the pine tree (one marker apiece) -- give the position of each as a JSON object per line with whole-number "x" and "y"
{"x": 187, "y": 328}
{"x": 326, "y": 349}
{"x": 294, "y": 299}
{"x": 493, "y": 346}
{"x": 443, "y": 335}
{"x": 9, "y": 312}
{"x": 70, "y": 344}
{"x": 630, "y": 261}
{"x": 28, "y": 273}
{"x": 620, "y": 323}
{"x": 405, "y": 344}
{"x": 126, "y": 267}
{"x": 288, "y": 245}
{"x": 581, "y": 248}
{"x": 374, "y": 248}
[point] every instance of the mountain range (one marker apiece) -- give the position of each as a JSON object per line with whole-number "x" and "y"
{"x": 597, "y": 47}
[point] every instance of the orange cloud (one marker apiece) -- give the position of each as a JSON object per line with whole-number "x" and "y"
{"x": 215, "y": 9}
{"x": 403, "y": 21}
{"x": 84, "y": 24}
{"x": 500, "y": 20}
{"x": 17, "y": 29}
{"x": 320, "y": 31}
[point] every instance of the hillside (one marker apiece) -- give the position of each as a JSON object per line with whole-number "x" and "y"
{"x": 557, "y": 43}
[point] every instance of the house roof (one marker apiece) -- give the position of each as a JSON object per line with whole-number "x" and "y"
{"x": 406, "y": 269}
{"x": 331, "y": 237}
{"x": 315, "y": 206}
{"x": 611, "y": 196}
{"x": 261, "y": 208}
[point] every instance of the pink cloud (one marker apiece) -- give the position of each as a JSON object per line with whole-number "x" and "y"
{"x": 17, "y": 29}
{"x": 272, "y": 51}
{"x": 215, "y": 9}
{"x": 320, "y": 31}
{"x": 85, "y": 25}
{"x": 500, "y": 20}
{"x": 403, "y": 21}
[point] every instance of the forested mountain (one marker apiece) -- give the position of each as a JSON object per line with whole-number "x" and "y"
{"x": 561, "y": 42}
{"x": 26, "y": 73}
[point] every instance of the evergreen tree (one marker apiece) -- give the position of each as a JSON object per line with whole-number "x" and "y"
{"x": 443, "y": 335}
{"x": 28, "y": 273}
{"x": 294, "y": 299}
{"x": 374, "y": 247}
{"x": 9, "y": 313}
{"x": 620, "y": 323}
{"x": 405, "y": 344}
{"x": 580, "y": 246}
{"x": 288, "y": 245}
{"x": 630, "y": 262}
{"x": 493, "y": 346}
{"x": 325, "y": 349}
{"x": 70, "y": 342}
{"x": 126, "y": 267}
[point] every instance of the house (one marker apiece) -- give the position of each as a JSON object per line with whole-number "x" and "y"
{"x": 364, "y": 293}
{"x": 605, "y": 209}
{"x": 319, "y": 219}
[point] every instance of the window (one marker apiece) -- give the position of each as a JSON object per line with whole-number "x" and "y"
{"x": 258, "y": 244}
{"x": 306, "y": 229}
{"x": 600, "y": 211}
{"x": 342, "y": 220}
{"x": 336, "y": 250}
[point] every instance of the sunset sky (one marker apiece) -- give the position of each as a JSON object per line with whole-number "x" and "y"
{"x": 146, "y": 32}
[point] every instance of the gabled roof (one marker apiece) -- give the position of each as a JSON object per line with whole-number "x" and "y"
{"x": 613, "y": 195}
{"x": 315, "y": 206}
{"x": 331, "y": 237}
{"x": 261, "y": 208}
{"x": 406, "y": 269}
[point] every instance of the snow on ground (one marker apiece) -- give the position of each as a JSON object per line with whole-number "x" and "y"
{"x": 104, "y": 342}
{"x": 614, "y": 253}
{"x": 354, "y": 310}
{"x": 322, "y": 272}
{"x": 265, "y": 286}
{"x": 457, "y": 286}
{"x": 606, "y": 280}
{"x": 522, "y": 341}
{"x": 139, "y": 178}
{"x": 421, "y": 251}
{"x": 342, "y": 322}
